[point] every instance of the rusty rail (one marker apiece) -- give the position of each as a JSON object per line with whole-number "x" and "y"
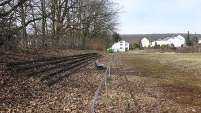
{"x": 100, "y": 85}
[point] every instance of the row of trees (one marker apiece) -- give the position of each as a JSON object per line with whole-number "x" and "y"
{"x": 74, "y": 24}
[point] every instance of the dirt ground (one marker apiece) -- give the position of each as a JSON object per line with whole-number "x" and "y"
{"x": 136, "y": 85}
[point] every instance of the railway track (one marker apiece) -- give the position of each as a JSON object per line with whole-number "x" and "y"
{"x": 51, "y": 70}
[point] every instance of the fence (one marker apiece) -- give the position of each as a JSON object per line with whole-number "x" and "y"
{"x": 107, "y": 73}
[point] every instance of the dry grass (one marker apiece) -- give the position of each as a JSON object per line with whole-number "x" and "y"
{"x": 175, "y": 77}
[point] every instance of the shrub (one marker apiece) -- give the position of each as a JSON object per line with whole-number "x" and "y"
{"x": 110, "y": 51}
{"x": 163, "y": 46}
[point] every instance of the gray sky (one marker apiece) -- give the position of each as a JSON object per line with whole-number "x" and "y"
{"x": 159, "y": 16}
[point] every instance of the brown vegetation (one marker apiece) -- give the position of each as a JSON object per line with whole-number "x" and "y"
{"x": 139, "y": 82}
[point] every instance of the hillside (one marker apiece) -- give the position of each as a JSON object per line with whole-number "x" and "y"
{"x": 135, "y": 37}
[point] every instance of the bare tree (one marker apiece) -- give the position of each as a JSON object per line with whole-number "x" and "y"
{"x": 11, "y": 5}
{"x": 43, "y": 22}
{"x": 72, "y": 24}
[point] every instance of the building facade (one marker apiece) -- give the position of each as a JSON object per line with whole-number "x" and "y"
{"x": 120, "y": 46}
{"x": 145, "y": 42}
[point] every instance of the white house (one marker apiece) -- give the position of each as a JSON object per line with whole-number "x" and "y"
{"x": 153, "y": 43}
{"x": 120, "y": 46}
{"x": 158, "y": 42}
{"x": 177, "y": 41}
{"x": 145, "y": 42}
{"x": 199, "y": 41}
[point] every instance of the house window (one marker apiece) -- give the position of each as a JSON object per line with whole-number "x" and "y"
{"x": 121, "y": 47}
{"x": 126, "y": 44}
{"x": 121, "y": 44}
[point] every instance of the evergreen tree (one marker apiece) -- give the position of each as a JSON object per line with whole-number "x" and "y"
{"x": 116, "y": 37}
{"x": 140, "y": 43}
{"x": 194, "y": 40}
{"x": 131, "y": 47}
{"x": 188, "y": 41}
{"x": 156, "y": 46}
{"x": 172, "y": 47}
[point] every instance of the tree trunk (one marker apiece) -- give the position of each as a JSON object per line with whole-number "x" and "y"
{"x": 24, "y": 32}
{"x": 43, "y": 23}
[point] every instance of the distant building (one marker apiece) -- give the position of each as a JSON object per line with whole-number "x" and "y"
{"x": 121, "y": 46}
{"x": 145, "y": 42}
{"x": 177, "y": 41}
{"x": 199, "y": 40}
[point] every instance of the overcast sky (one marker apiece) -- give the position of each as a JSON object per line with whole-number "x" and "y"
{"x": 159, "y": 16}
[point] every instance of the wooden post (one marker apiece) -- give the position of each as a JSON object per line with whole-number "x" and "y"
{"x": 106, "y": 85}
{"x": 109, "y": 71}
{"x": 1, "y": 53}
